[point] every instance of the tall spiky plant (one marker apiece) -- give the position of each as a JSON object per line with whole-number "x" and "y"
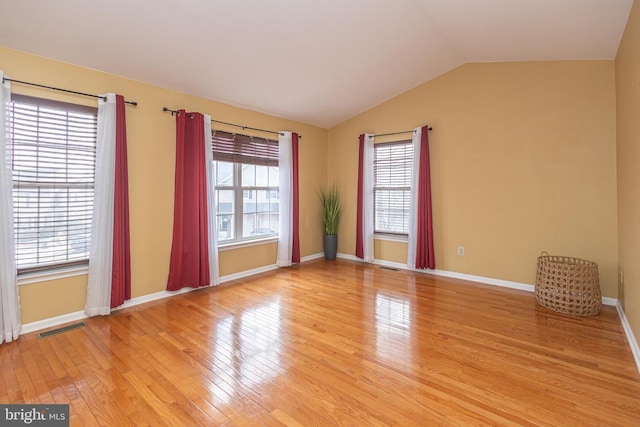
{"x": 331, "y": 209}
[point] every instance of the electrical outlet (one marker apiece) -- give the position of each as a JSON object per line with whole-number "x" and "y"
{"x": 460, "y": 250}
{"x": 621, "y": 276}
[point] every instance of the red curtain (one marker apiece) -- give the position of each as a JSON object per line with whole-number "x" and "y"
{"x": 424, "y": 248}
{"x": 121, "y": 267}
{"x": 295, "y": 250}
{"x": 189, "y": 265}
{"x": 359, "y": 212}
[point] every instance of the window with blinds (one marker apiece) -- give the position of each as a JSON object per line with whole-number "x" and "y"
{"x": 247, "y": 181}
{"x": 53, "y": 150}
{"x": 392, "y": 184}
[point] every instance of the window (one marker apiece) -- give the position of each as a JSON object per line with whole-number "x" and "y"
{"x": 54, "y": 149}
{"x": 246, "y": 180}
{"x": 392, "y": 186}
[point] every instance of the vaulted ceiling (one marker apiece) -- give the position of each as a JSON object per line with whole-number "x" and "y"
{"x": 314, "y": 61}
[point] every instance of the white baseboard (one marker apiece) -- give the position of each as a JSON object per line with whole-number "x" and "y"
{"x": 450, "y": 274}
{"x": 349, "y": 257}
{"x": 631, "y": 339}
{"x": 247, "y": 273}
{"x": 462, "y": 276}
{"x": 312, "y": 257}
{"x": 52, "y": 321}
{"x": 79, "y": 315}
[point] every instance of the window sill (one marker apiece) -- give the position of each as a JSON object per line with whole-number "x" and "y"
{"x": 391, "y": 238}
{"x": 245, "y": 244}
{"x": 53, "y": 274}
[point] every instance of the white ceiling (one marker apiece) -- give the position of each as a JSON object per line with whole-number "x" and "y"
{"x": 314, "y": 61}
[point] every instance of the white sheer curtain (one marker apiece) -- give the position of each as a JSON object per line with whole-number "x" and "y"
{"x": 413, "y": 213}
{"x": 214, "y": 270}
{"x": 285, "y": 172}
{"x": 367, "y": 199}
{"x": 101, "y": 248}
{"x": 10, "y": 325}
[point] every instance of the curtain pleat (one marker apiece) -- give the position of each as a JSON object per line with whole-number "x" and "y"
{"x": 412, "y": 238}
{"x": 10, "y": 325}
{"x": 99, "y": 284}
{"x": 214, "y": 269}
{"x": 425, "y": 256}
{"x": 288, "y": 236}
{"x": 295, "y": 238}
{"x": 364, "y": 215}
{"x": 121, "y": 269}
{"x": 189, "y": 264}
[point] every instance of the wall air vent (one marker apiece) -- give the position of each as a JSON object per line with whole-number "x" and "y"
{"x": 61, "y": 330}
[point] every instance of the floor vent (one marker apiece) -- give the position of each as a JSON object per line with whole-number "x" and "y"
{"x": 61, "y": 330}
{"x": 389, "y": 268}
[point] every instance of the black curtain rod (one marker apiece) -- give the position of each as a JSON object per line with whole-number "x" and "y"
{"x": 104, "y": 98}
{"x": 398, "y": 133}
{"x": 165, "y": 109}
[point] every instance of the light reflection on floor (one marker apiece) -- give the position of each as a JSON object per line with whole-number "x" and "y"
{"x": 253, "y": 357}
{"x": 393, "y": 314}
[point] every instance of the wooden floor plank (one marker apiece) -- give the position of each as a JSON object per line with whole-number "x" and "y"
{"x": 334, "y": 343}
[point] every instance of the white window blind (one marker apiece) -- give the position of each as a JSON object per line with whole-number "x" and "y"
{"x": 54, "y": 149}
{"x": 392, "y": 186}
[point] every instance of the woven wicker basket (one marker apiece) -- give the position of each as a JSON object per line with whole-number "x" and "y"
{"x": 568, "y": 285}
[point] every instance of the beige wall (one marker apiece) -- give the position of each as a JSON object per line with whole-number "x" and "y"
{"x": 628, "y": 134}
{"x": 523, "y": 160}
{"x": 151, "y": 143}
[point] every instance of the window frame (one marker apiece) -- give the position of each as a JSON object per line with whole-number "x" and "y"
{"x": 393, "y": 235}
{"x": 256, "y": 152}
{"x": 42, "y": 268}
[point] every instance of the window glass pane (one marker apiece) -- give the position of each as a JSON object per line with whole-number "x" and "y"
{"x": 273, "y": 176}
{"x": 262, "y": 176}
{"x": 249, "y": 203}
{"x": 225, "y": 201}
{"x": 274, "y": 222}
{"x": 274, "y": 215}
{"x": 392, "y": 210}
{"x": 248, "y": 175}
{"x": 259, "y": 224}
{"x": 249, "y": 225}
{"x": 257, "y": 215}
{"x": 224, "y": 174}
{"x": 58, "y": 220}
{"x": 274, "y": 196}
{"x": 262, "y": 201}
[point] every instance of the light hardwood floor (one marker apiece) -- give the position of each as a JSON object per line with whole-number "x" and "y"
{"x": 334, "y": 343}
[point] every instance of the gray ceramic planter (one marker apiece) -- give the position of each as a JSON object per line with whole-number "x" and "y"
{"x": 330, "y": 245}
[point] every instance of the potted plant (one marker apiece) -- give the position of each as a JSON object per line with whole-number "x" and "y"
{"x": 331, "y": 211}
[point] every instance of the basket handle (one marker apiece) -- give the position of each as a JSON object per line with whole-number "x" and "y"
{"x": 544, "y": 253}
